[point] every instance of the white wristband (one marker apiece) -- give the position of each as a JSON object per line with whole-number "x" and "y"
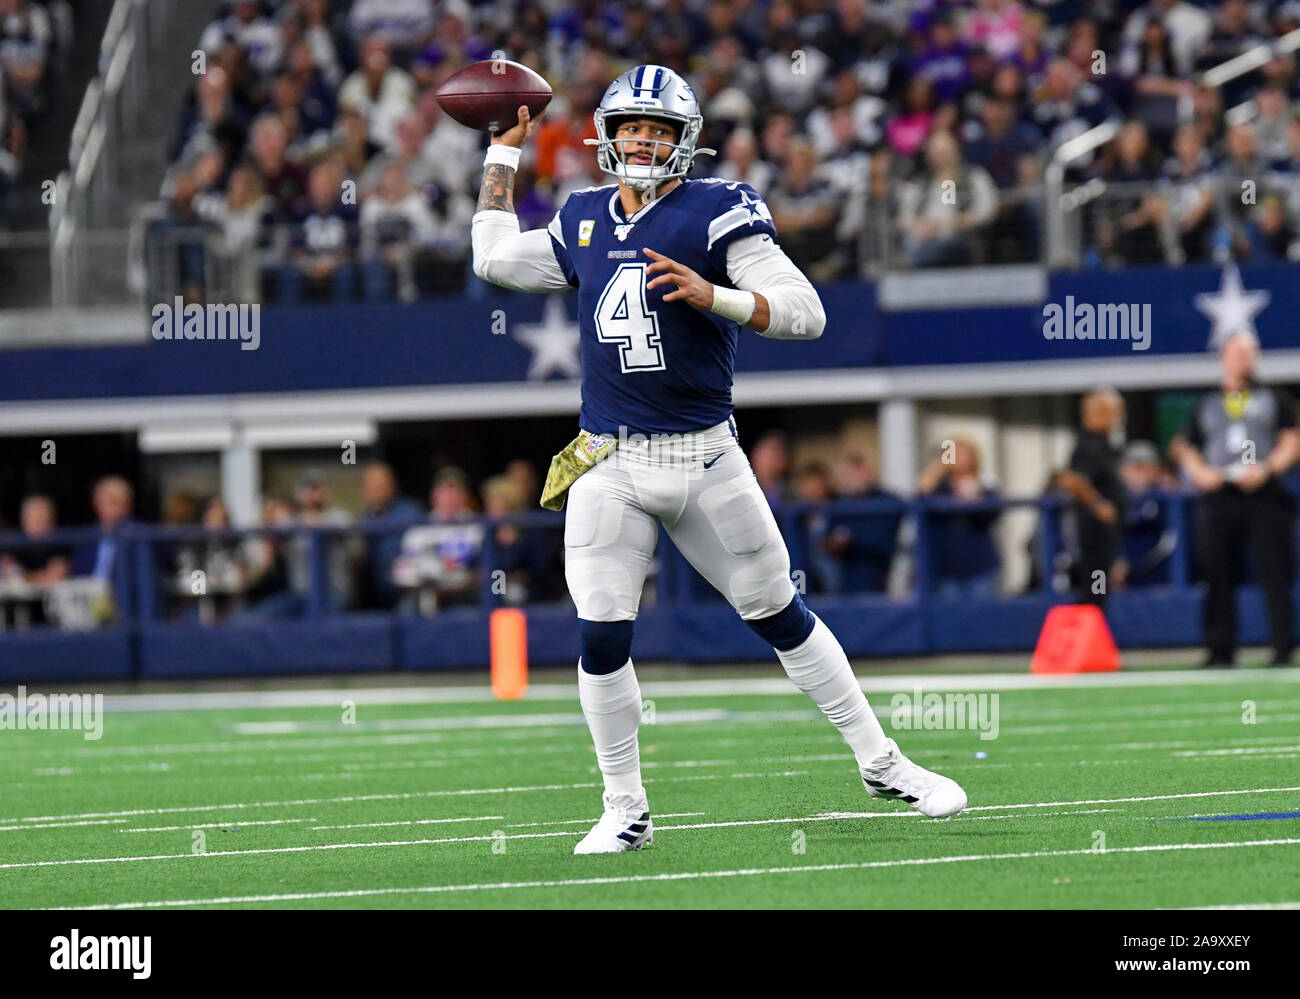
{"x": 733, "y": 304}
{"x": 505, "y": 155}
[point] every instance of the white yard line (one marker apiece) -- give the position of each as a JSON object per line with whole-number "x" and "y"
{"x": 413, "y": 822}
{"x": 350, "y": 798}
{"x": 703, "y": 716}
{"x": 481, "y": 693}
{"x": 691, "y": 875}
{"x": 825, "y": 817}
{"x": 213, "y": 825}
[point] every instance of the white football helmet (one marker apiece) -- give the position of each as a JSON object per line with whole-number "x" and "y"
{"x": 649, "y": 92}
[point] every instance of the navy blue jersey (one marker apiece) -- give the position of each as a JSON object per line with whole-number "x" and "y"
{"x": 650, "y": 366}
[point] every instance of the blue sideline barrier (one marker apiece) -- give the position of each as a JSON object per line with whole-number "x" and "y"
{"x": 687, "y": 622}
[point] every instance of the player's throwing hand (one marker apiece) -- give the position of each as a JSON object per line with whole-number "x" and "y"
{"x": 520, "y": 133}
{"x": 691, "y": 288}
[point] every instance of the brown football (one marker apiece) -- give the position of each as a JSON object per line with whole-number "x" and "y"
{"x": 486, "y": 95}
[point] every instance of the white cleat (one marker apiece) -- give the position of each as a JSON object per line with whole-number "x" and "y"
{"x": 625, "y": 826}
{"x": 893, "y": 775}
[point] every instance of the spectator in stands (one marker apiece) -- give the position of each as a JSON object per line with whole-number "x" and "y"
{"x": 771, "y": 464}
{"x": 741, "y": 162}
{"x": 1190, "y": 192}
{"x": 793, "y": 70}
{"x": 382, "y": 92}
{"x": 908, "y": 130}
{"x": 963, "y": 556}
{"x": 863, "y": 544}
{"x": 264, "y": 556}
{"x": 316, "y": 96}
{"x": 1066, "y": 105}
{"x": 409, "y": 156}
{"x": 523, "y": 476}
{"x": 1030, "y": 59}
{"x": 847, "y": 169}
{"x": 212, "y": 568}
{"x": 395, "y": 223}
{"x": 1130, "y": 227}
{"x": 995, "y": 25}
{"x": 1158, "y": 85}
{"x": 999, "y": 142}
{"x": 402, "y": 23}
{"x": 440, "y": 560}
{"x": 812, "y": 487}
{"x": 561, "y": 156}
{"x": 351, "y": 142}
{"x": 238, "y": 213}
{"x": 26, "y": 37}
{"x": 384, "y": 506}
{"x": 181, "y": 234}
{"x": 1007, "y": 150}
{"x": 44, "y": 563}
{"x": 315, "y": 510}
{"x": 946, "y": 209}
{"x": 212, "y": 120}
{"x": 104, "y": 559}
{"x": 323, "y": 260}
{"x": 1242, "y": 173}
{"x": 245, "y": 27}
{"x": 945, "y": 61}
{"x": 1234, "y": 33}
{"x": 449, "y": 148}
{"x": 1269, "y": 233}
{"x": 526, "y": 557}
{"x": 804, "y": 210}
{"x": 283, "y": 180}
{"x": 1189, "y": 29}
{"x": 849, "y": 119}
{"x": 1272, "y": 123}
{"x": 308, "y": 21}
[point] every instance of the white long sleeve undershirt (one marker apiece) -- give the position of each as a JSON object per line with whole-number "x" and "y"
{"x": 525, "y": 261}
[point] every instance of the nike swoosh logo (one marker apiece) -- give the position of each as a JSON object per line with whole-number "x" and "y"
{"x": 710, "y": 464}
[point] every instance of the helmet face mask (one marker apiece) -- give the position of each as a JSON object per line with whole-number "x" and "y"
{"x": 648, "y": 93}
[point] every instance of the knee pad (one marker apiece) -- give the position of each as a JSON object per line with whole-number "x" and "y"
{"x": 787, "y": 628}
{"x": 606, "y": 645}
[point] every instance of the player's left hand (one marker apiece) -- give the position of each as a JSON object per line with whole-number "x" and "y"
{"x": 691, "y": 288}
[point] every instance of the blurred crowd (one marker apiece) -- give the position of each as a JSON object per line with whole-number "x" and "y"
{"x": 469, "y": 545}
{"x": 34, "y": 35}
{"x": 313, "y": 151}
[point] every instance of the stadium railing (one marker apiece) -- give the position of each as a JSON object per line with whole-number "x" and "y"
{"x": 150, "y": 629}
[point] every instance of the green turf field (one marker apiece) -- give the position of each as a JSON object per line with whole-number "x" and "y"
{"x": 439, "y": 796}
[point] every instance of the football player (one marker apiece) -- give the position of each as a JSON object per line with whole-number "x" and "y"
{"x": 667, "y": 270}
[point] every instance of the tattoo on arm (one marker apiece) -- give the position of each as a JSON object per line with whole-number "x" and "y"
{"x": 498, "y": 189}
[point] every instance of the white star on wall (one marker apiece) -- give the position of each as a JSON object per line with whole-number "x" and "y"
{"x": 553, "y": 342}
{"x": 1231, "y": 309}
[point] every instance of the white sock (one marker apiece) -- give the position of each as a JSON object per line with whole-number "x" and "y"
{"x": 612, "y": 705}
{"x": 821, "y": 670}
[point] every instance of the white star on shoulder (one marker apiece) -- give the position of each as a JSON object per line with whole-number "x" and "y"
{"x": 757, "y": 210}
{"x": 1231, "y": 309}
{"x": 554, "y": 342}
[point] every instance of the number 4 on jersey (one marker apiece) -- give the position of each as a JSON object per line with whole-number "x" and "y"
{"x": 623, "y": 318}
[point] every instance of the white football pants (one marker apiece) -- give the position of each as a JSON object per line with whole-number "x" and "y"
{"x": 700, "y": 486}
